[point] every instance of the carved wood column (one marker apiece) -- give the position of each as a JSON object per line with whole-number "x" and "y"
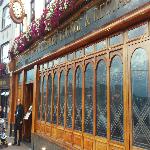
{"x": 35, "y": 95}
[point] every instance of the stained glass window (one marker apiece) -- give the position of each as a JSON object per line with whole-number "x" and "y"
{"x": 62, "y": 98}
{"x": 88, "y": 120}
{"x": 78, "y": 100}
{"x": 69, "y": 99}
{"x": 49, "y": 98}
{"x": 140, "y": 99}
{"x": 55, "y": 98}
{"x": 39, "y": 98}
{"x": 44, "y": 99}
{"x": 101, "y": 96}
{"x": 116, "y": 100}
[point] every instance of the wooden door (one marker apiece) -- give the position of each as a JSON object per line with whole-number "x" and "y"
{"x": 27, "y": 103}
{"x": 139, "y": 94}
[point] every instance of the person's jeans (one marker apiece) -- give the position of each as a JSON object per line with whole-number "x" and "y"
{"x": 17, "y": 127}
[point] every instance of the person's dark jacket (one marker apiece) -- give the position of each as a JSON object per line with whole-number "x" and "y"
{"x": 19, "y": 114}
{"x": 1, "y": 114}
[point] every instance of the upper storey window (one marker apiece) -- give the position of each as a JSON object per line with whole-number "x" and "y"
{"x": 6, "y": 17}
{"x": 32, "y": 10}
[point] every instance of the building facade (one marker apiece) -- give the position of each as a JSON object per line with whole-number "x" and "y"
{"x": 88, "y": 80}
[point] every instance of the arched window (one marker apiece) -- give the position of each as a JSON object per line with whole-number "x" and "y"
{"x": 116, "y": 100}
{"x": 69, "y": 99}
{"x": 140, "y": 99}
{"x": 62, "y": 98}
{"x": 44, "y": 99}
{"x": 39, "y": 98}
{"x": 55, "y": 98}
{"x": 6, "y": 17}
{"x": 88, "y": 120}
{"x": 78, "y": 100}
{"x": 101, "y": 97}
{"x": 49, "y": 98}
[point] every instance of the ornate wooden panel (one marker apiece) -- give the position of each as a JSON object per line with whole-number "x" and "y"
{"x": 101, "y": 146}
{"x": 88, "y": 143}
{"x": 77, "y": 140}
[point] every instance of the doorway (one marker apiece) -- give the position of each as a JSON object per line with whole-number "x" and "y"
{"x": 27, "y": 105}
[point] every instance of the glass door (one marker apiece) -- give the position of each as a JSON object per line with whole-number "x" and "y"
{"x": 139, "y": 91}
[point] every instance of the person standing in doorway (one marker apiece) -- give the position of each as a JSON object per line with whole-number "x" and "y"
{"x": 19, "y": 114}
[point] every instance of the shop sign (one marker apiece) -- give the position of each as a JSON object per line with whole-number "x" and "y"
{"x": 93, "y": 19}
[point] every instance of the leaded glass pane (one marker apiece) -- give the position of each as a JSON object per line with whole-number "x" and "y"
{"x": 69, "y": 100}
{"x": 118, "y": 39}
{"x": 116, "y": 99}
{"x": 101, "y": 96}
{"x": 39, "y": 98}
{"x": 49, "y": 98}
{"x": 44, "y": 99}
{"x": 79, "y": 53}
{"x": 140, "y": 99}
{"x": 55, "y": 98}
{"x": 78, "y": 100}
{"x": 62, "y": 99}
{"x": 101, "y": 45}
{"x": 88, "y": 120}
{"x": 20, "y": 78}
{"x": 30, "y": 76}
{"x": 136, "y": 32}
{"x": 89, "y": 49}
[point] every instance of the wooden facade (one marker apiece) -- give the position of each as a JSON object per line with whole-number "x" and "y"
{"x": 92, "y": 94}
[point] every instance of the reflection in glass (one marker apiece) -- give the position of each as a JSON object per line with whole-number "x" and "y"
{"x": 30, "y": 76}
{"x": 89, "y": 49}
{"x": 78, "y": 100}
{"x": 101, "y": 96}
{"x": 101, "y": 45}
{"x": 49, "y": 98}
{"x": 62, "y": 99}
{"x": 44, "y": 99}
{"x": 69, "y": 100}
{"x": 39, "y": 98}
{"x": 136, "y": 32}
{"x": 79, "y": 53}
{"x": 88, "y": 120}
{"x": 55, "y": 98}
{"x": 118, "y": 39}
{"x": 116, "y": 99}
{"x": 20, "y": 78}
{"x": 140, "y": 99}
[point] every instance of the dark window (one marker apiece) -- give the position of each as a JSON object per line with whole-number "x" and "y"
{"x": 140, "y": 99}
{"x": 49, "y": 98}
{"x": 46, "y": 3}
{"x": 44, "y": 99}
{"x": 88, "y": 120}
{"x": 69, "y": 99}
{"x": 116, "y": 100}
{"x": 6, "y": 17}
{"x": 32, "y": 10}
{"x": 101, "y": 96}
{"x": 78, "y": 100}
{"x": 55, "y": 98}
{"x": 62, "y": 98}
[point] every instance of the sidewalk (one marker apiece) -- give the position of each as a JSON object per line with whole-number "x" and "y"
{"x": 21, "y": 147}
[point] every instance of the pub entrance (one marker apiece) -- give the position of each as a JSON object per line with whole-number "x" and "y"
{"x": 28, "y": 112}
